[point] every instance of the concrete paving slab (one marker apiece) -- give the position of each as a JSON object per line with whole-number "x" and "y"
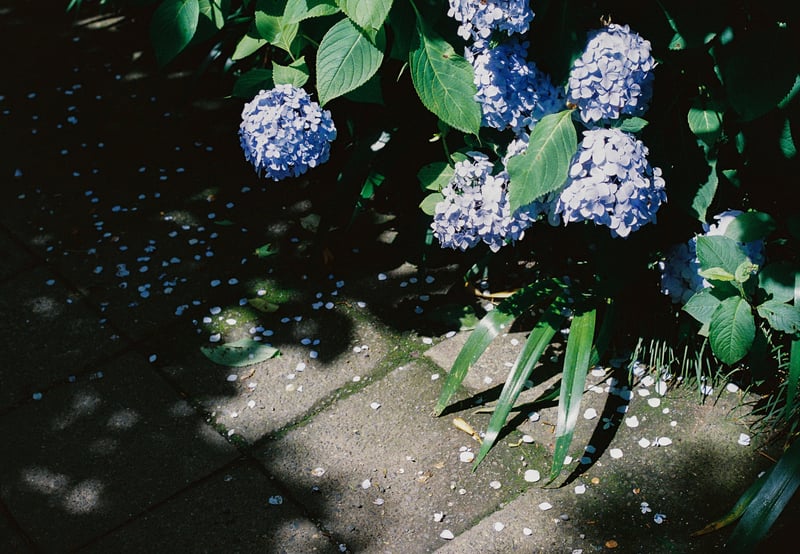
{"x": 238, "y": 509}
{"x": 323, "y": 354}
{"x": 49, "y": 332}
{"x": 375, "y": 468}
{"x": 89, "y": 455}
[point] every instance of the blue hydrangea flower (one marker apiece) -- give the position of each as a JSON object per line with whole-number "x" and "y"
{"x": 478, "y": 18}
{"x": 475, "y": 208}
{"x": 611, "y": 183}
{"x": 512, "y": 92}
{"x": 283, "y": 132}
{"x": 613, "y": 76}
{"x": 680, "y": 278}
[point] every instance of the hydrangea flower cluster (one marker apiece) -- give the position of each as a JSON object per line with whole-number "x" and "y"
{"x": 283, "y": 132}
{"x": 680, "y": 278}
{"x": 475, "y": 208}
{"x": 478, "y": 18}
{"x": 611, "y": 183}
{"x": 613, "y": 76}
{"x": 512, "y": 92}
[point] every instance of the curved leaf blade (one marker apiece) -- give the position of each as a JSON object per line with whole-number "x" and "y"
{"x": 544, "y": 165}
{"x": 300, "y": 10}
{"x": 764, "y": 509}
{"x": 487, "y": 329}
{"x": 444, "y": 81}
{"x": 573, "y": 380}
{"x": 541, "y": 335}
{"x": 346, "y": 59}
{"x": 240, "y": 353}
{"x": 172, "y": 27}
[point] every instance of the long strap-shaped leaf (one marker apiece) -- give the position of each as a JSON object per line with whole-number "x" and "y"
{"x": 794, "y": 361}
{"x": 767, "y": 505}
{"x": 488, "y": 328}
{"x": 547, "y": 326}
{"x": 573, "y": 380}
{"x": 737, "y": 510}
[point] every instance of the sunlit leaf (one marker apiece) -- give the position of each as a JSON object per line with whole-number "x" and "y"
{"x": 702, "y": 305}
{"x": 750, "y": 226}
{"x": 296, "y": 73}
{"x": 705, "y": 194}
{"x": 489, "y": 327}
{"x": 444, "y": 80}
{"x": 346, "y": 59}
{"x": 705, "y": 122}
{"x": 542, "y": 333}
{"x": 719, "y": 252}
{"x": 544, "y": 165}
{"x": 240, "y": 353}
{"x": 300, "y": 10}
{"x": 172, "y": 27}
{"x": 368, "y": 14}
{"x": 573, "y": 380}
{"x": 732, "y": 329}
{"x": 781, "y": 317}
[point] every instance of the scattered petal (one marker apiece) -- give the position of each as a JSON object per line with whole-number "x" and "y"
{"x": 744, "y": 439}
{"x": 664, "y": 441}
{"x": 495, "y": 485}
{"x": 531, "y": 476}
{"x": 580, "y": 489}
{"x": 616, "y": 453}
{"x": 447, "y": 535}
{"x": 590, "y": 413}
{"x": 632, "y": 421}
{"x": 644, "y": 443}
{"x": 276, "y": 500}
{"x": 498, "y": 526}
{"x": 544, "y": 506}
{"x": 467, "y": 456}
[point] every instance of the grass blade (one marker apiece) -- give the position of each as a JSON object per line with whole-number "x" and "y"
{"x": 794, "y": 361}
{"x": 488, "y": 328}
{"x": 540, "y": 337}
{"x": 780, "y": 485}
{"x": 573, "y": 380}
{"x": 738, "y": 508}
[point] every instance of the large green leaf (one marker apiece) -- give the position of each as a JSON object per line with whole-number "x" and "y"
{"x": 750, "y": 226}
{"x": 778, "y": 281}
{"x": 701, "y": 305}
{"x": 248, "y": 45}
{"x": 240, "y": 353}
{"x": 573, "y": 380}
{"x": 781, "y": 317}
{"x": 705, "y": 194}
{"x": 546, "y": 327}
{"x": 488, "y": 328}
{"x": 544, "y": 165}
{"x": 346, "y": 59}
{"x": 768, "y": 503}
{"x": 705, "y": 122}
{"x": 276, "y": 30}
{"x": 719, "y": 252}
{"x": 300, "y": 10}
{"x": 251, "y": 83}
{"x": 732, "y": 329}
{"x": 444, "y": 80}
{"x": 172, "y": 27}
{"x": 435, "y": 176}
{"x": 367, "y": 14}
{"x": 296, "y": 73}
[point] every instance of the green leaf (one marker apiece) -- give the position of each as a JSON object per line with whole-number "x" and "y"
{"x": 787, "y": 144}
{"x": 757, "y": 70}
{"x": 248, "y": 45}
{"x": 737, "y": 510}
{"x": 240, "y": 353}
{"x": 251, "y": 83}
{"x": 265, "y": 251}
{"x": 172, "y": 27}
{"x": 428, "y": 204}
{"x": 300, "y": 10}
{"x": 435, "y": 176}
{"x": 214, "y": 11}
{"x": 263, "y": 305}
{"x": 793, "y": 380}
{"x": 367, "y": 14}
{"x": 544, "y": 165}
{"x": 488, "y": 328}
{"x": 732, "y": 330}
{"x": 705, "y": 194}
{"x": 781, "y": 317}
{"x": 632, "y": 124}
{"x": 444, "y": 80}
{"x": 346, "y": 59}
{"x": 778, "y": 280}
{"x": 716, "y": 274}
{"x": 719, "y": 252}
{"x": 705, "y": 122}
{"x": 296, "y": 73}
{"x": 764, "y": 509}
{"x": 543, "y": 331}
{"x": 276, "y": 30}
{"x": 701, "y": 305}
{"x": 573, "y": 380}
{"x": 750, "y": 226}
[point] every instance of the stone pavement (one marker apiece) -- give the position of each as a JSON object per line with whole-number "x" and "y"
{"x": 131, "y": 239}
